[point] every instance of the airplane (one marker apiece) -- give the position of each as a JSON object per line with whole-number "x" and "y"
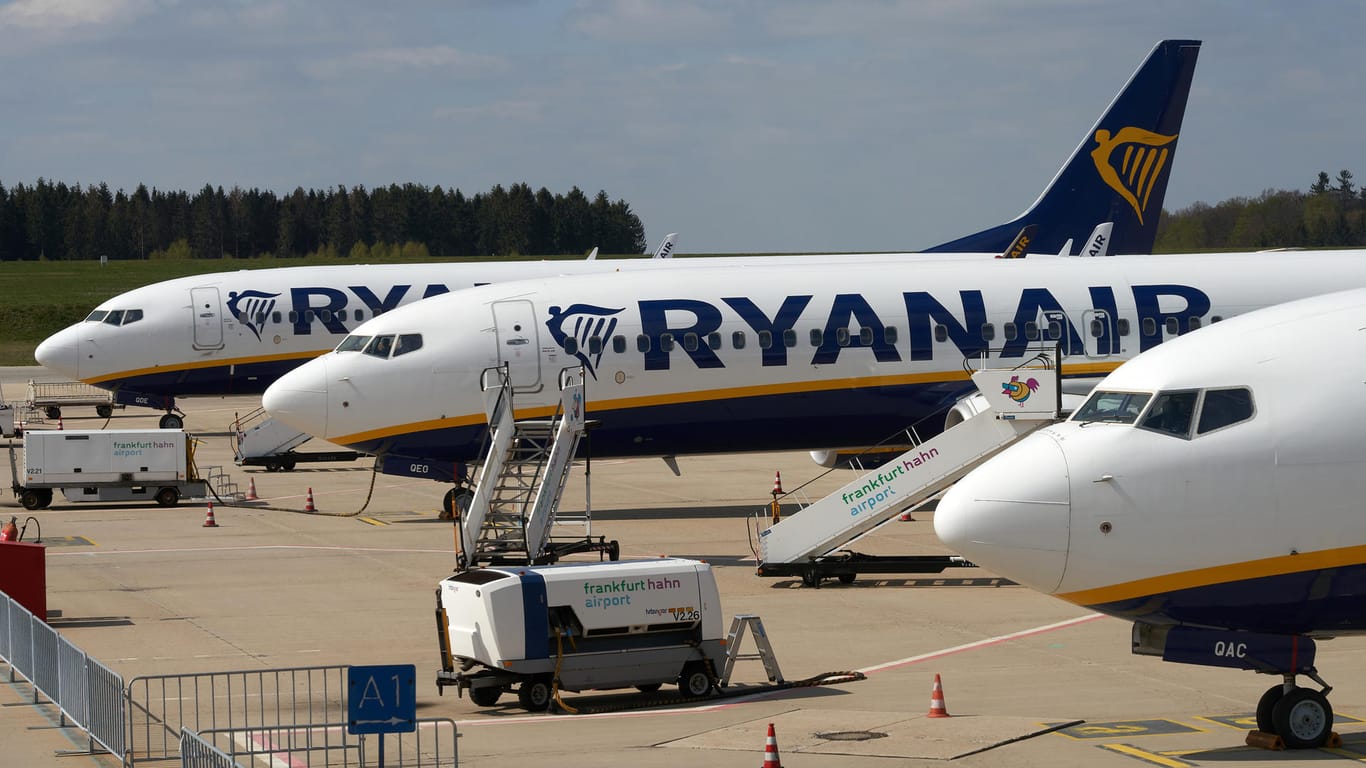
{"x": 1209, "y": 492}
{"x": 235, "y": 332}
{"x": 761, "y": 357}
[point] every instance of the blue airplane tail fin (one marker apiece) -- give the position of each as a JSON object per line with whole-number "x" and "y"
{"x": 1119, "y": 171}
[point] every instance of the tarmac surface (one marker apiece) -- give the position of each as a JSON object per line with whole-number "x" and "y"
{"x": 1029, "y": 680}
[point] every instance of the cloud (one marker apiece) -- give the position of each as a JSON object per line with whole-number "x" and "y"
{"x": 58, "y": 15}
{"x": 444, "y": 58}
{"x": 647, "y": 20}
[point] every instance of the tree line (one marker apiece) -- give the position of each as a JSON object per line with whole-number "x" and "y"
{"x": 48, "y": 220}
{"x": 1331, "y": 214}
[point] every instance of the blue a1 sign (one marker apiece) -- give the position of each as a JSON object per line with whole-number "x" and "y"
{"x": 381, "y": 699}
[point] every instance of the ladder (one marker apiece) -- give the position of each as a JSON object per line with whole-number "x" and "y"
{"x": 765, "y": 653}
{"x": 523, "y": 476}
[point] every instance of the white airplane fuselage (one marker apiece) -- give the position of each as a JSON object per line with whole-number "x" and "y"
{"x": 771, "y": 357}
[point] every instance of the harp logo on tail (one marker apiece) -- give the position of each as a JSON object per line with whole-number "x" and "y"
{"x": 1134, "y": 171}
{"x": 252, "y": 308}
{"x": 583, "y": 323}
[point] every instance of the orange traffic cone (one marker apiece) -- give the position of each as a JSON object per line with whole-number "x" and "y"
{"x": 209, "y": 522}
{"x": 251, "y": 490}
{"x": 771, "y": 750}
{"x": 777, "y": 483}
{"x": 906, "y": 517}
{"x": 937, "y": 707}
{"x": 308, "y": 502}
{"x": 59, "y": 423}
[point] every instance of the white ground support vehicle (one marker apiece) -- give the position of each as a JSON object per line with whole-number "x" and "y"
{"x": 641, "y": 623}
{"x": 106, "y": 465}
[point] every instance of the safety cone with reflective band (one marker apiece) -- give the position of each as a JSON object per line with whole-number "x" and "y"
{"x": 906, "y": 517}
{"x": 777, "y": 483}
{"x": 771, "y": 750}
{"x": 937, "y": 707}
{"x": 209, "y": 522}
{"x": 251, "y": 490}
{"x": 59, "y": 423}
{"x": 308, "y": 502}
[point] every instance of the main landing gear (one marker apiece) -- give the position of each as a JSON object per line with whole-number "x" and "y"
{"x": 1302, "y": 717}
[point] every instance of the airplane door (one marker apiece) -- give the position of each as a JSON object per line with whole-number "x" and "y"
{"x": 1096, "y": 327}
{"x": 515, "y": 328}
{"x": 208, "y": 321}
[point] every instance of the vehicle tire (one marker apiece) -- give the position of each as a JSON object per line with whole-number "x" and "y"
{"x": 486, "y": 696}
{"x": 1303, "y": 719}
{"x": 847, "y": 578}
{"x": 168, "y": 497}
{"x": 534, "y": 694}
{"x": 104, "y": 411}
{"x": 171, "y": 421}
{"x": 695, "y": 680}
{"x": 52, "y": 412}
{"x": 613, "y": 550}
{"x": 272, "y": 466}
{"x": 648, "y": 687}
{"x": 1265, "y": 705}
{"x": 810, "y": 579}
{"x": 288, "y": 465}
{"x": 31, "y": 498}
{"x": 456, "y": 502}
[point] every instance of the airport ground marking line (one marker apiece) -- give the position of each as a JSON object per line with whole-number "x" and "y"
{"x": 182, "y": 550}
{"x": 982, "y": 643}
{"x": 1146, "y": 756}
{"x": 1347, "y": 753}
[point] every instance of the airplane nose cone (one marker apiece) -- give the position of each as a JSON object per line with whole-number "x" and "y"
{"x": 1013, "y": 514}
{"x": 59, "y": 352}
{"x": 299, "y": 398}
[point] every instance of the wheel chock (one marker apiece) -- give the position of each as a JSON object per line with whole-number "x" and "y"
{"x": 1263, "y": 740}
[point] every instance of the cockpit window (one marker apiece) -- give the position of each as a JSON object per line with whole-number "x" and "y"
{"x": 1116, "y": 407}
{"x": 408, "y": 342}
{"x": 132, "y": 316}
{"x": 114, "y": 317}
{"x": 352, "y": 343}
{"x": 1223, "y": 407}
{"x": 96, "y": 316}
{"x": 380, "y": 346}
{"x": 1171, "y": 413}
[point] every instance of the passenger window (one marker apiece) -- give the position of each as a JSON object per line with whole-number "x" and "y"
{"x": 737, "y": 339}
{"x": 359, "y": 315}
{"x": 261, "y": 319}
{"x": 789, "y": 338}
{"x": 325, "y": 315}
{"x": 666, "y": 342}
{"x": 642, "y": 343}
{"x": 1097, "y": 328}
{"x": 816, "y": 336}
{"x": 132, "y": 316}
{"x": 114, "y": 318}
{"x": 1223, "y": 407}
{"x": 341, "y": 315}
{"x": 571, "y": 345}
{"x": 1122, "y": 326}
{"x": 1010, "y": 332}
{"x": 889, "y": 334}
{"x": 689, "y": 342}
{"x": 380, "y": 346}
{"x": 309, "y": 315}
{"x": 1173, "y": 326}
{"x": 1171, "y": 413}
{"x": 595, "y": 345}
{"x": 765, "y": 339}
{"x": 1216, "y": 318}
{"x": 988, "y": 331}
{"x": 619, "y": 344}
{"x": 1193, "y": 322}
{"x": 1118, "y": 407}
{"x": 408, "y": 342}
{"x": 842, "y": 337}
{"x": 1054, "y": 330}
{"x": 941, "y": 333}
{"x": 275, "y": 317}
{"x": 96, "y": 316}
{"x": 865, "y": 336}
{"x": 353, "y": 343}
{"x": 1149, "y": 326}
{"x": 714, "y": 340}
{"x": 1031, "y": 330}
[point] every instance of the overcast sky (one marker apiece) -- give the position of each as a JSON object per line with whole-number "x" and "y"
{"x": 792, "y": 125}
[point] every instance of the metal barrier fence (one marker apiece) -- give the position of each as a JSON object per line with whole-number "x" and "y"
{"x": 433, "y": 745}
{"x": 197, "y": 753}
{"x": 21, "y": 643}
{"x": 161, "y": 705}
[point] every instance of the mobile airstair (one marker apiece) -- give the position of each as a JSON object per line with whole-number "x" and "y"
{"x": 261, "y": 440}
{"x": 811, "y": 542}
{"x": 513, "y": 513}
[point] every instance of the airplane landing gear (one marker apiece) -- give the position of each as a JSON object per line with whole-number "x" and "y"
{"x": 456, "y": 502}
{"x": 1302, "y": 717}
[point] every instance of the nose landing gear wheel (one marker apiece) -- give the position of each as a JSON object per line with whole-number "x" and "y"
{"x": 1266, "y": 705}
{"x": 1303, "y": 718}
